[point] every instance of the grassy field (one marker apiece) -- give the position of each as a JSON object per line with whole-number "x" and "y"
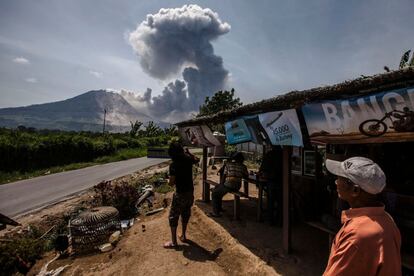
{"x": 120, "y": 155}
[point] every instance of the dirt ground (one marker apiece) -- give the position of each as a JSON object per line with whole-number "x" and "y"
{"x": 219, "y": 246}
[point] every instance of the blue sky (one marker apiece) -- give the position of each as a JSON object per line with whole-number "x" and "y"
{"x": 51, "y": 50}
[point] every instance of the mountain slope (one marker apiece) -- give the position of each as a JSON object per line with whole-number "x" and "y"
{"x": 83, "y": 112}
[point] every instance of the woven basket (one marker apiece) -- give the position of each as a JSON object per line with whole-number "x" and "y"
{"x": 93, "y": 228}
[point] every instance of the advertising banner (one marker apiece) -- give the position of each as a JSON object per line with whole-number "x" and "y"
{"x": 277, "y": 128}
{"x": 282, "y": 127}
{"x": 383, "y": 117}
{"x": 198, "y": 136}
{"x": 237, "y": 132}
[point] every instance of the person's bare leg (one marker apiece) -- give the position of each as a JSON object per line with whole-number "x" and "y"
{"x": 174, "y": 235}
{"x": 173, "y": 242}
{"x": 183, "y": 236}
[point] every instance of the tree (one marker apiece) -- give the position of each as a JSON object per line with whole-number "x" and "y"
{"x": 404, "y": 60}
{"x": 222, "y": 100}
{"x": 135, "y": 128}
{"x": 171, "y": 130}
{"x": 152, "y": 130}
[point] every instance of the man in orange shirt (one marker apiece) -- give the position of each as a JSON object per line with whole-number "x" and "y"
{"x": 369, "y": 241}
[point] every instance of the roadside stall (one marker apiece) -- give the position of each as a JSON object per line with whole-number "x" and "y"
{"x": 369, "y": 116}
{"x": 379, "y": 126}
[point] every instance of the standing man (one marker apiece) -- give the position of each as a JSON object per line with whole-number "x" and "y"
{"x": 271, "y": 171}
{"x": 181, "y": 176}
{"x": 369, "y": 241}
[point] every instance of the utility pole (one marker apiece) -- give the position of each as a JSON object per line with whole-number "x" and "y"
{"x": 103, "y": 131}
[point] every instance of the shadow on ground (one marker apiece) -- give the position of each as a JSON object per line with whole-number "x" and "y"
{"x": 310, "y": 246}
{"x": 195, "y": 252}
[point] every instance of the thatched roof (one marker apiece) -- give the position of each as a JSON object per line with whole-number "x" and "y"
{"x": 295, "y": 99}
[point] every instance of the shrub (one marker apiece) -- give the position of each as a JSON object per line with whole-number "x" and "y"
{"x": 122, "y": 196}
{"x": 21, "y": 253}
{"x": 26, "y": 151}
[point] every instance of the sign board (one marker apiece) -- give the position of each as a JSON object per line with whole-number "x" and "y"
{"x": 198, "y": 136}
{"x": 277, "y": 128}
{"x": 237, "y": 132}
{"x": 383, "y": 117}
{"x": 282, "y": 127}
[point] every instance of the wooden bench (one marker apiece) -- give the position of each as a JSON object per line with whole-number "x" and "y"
{"x": 237, "y": 196}
{"x": 322, "y": 227}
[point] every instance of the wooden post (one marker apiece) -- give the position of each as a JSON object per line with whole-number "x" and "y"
{"x": 236, "y": 207}
{"x": 260, "y": 203}
{"x": 287, "y": 150}
{"x": 206, "y": 188}
{"x": 245, "y": 186}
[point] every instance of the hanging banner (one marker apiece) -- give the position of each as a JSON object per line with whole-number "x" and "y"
{"x": 237, "y": 132}
{"x": 198, "y": 136}
{"x": 277, "y": 128}
{"x": 383, "y": 117}
{"x": 282, "y": 127}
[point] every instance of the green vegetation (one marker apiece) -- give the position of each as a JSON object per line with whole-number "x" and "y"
{"x": 122, "y": 196}
{"x": 160, "y": 183}
{"x": 27, "y": 152}
{"x": 20, "y": 254}
{"x": 404, "y": 60}
{"x": 221, "y": 101}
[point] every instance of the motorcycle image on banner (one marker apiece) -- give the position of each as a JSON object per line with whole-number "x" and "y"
{"x": 381, "y": 117}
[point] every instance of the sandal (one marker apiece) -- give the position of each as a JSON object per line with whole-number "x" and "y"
{"x": 170, "y": 245}
{"x": 182, "y": 239}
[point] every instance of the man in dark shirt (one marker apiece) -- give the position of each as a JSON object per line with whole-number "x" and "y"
{"x": 181, "y": 176}
{"x": 272, "y": 173}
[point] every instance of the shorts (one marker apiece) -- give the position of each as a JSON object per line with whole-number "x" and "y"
{"x": 181, "y": 206}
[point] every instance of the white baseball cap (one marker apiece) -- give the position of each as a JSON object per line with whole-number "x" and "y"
{"x": 361, "y": 171}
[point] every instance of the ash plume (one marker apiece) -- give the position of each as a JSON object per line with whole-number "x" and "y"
{"x": 178, "y": 41}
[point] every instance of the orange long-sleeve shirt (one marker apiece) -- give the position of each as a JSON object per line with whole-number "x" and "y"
{"x": 368, "y": 244}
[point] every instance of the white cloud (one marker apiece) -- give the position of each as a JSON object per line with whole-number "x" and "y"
{"x": 96, "y": 74}
{"x": 21, "y": 60}
{"x": 31, "y": 80}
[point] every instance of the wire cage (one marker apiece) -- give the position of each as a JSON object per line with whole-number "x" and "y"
{"x": 93, "y": 228}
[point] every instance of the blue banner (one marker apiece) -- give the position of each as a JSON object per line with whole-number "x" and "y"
{"x": 277, "y": 128}
{"x": 237, "y": 132}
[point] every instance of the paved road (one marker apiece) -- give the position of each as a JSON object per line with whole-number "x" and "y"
{"x": 24, "y": 196}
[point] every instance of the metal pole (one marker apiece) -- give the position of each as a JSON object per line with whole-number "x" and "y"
{"x": 103, "y": 131}
{"x": 286, "y": 231}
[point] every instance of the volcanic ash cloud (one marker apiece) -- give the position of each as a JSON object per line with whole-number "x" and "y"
{"x": 175, "y": 41}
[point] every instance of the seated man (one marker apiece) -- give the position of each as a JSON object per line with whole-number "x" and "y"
{"x": 233, "y": 173}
